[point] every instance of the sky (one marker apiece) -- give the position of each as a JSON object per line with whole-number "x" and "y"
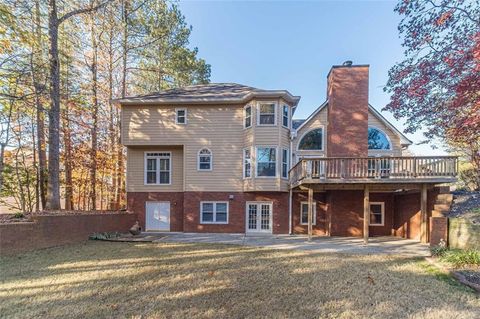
{"x": 293, "y": 44}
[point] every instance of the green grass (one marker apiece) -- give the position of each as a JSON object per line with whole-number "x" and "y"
{"x": 457, "y": 258}
{"x": 139, "y": 280}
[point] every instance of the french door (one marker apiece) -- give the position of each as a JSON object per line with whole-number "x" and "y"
{"x": 259, "y": 217}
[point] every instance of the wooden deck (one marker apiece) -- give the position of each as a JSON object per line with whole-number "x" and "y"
{"x": 374, "y": 170}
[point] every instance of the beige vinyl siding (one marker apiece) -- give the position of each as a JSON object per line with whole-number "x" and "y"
{"x": 136, "y": 169}
{"x": 394, "y": 138}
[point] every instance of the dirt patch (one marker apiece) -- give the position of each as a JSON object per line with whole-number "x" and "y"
{"x": 466, "y": 205}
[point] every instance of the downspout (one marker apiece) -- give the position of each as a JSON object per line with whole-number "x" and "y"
{"x": 290, "y": 193}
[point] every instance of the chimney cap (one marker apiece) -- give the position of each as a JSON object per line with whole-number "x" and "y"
{"x": 347, "y": 63}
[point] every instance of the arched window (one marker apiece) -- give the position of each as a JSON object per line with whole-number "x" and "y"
{"x": 313, "y": 140}
{"x": 205, "y": 160}
{"x": 377, "y": 139}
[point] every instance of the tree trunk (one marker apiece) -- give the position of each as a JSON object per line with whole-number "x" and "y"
{"x": 53, "y": 191}
{"x": 40, "y": 112}
{"x": 93, "y": 151}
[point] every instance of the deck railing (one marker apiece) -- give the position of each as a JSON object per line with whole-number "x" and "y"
{"x": 364, "y": 168}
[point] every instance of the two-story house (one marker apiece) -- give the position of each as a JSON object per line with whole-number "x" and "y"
{"x": 225, "y": 157}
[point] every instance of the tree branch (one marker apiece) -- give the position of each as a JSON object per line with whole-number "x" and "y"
{"x": 81, "y": 11}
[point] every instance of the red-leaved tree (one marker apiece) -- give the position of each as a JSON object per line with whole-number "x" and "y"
{"x": 437, "y": 86}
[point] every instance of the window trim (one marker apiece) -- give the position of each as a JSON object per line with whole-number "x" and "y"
{"x": 314, "y": 213}
{"x": 382, "y": 204}
{"x": 288, "y": 115}
{"x": 198, "y": 160}
{"x": 243, "y": 161}
{"x": 145, "y": 157}
{"x": 275, "y": 113}
{"x": 256, "y": 161}
{"x": 214, "y": 212}
{"x": 390, "y": 149}
{"x": 310, "y": 130}
{"x": 245, "y": 116}
{"x": 288, "y": 163}
{"x": 176, "y": 115}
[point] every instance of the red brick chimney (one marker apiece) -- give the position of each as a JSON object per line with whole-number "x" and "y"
{"x": 347, "y": 94}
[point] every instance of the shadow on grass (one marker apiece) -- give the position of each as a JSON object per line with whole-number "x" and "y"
{"x": 99, "y": 279}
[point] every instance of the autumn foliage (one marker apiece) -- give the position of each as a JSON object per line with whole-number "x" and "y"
{"x": 437, "y": 86}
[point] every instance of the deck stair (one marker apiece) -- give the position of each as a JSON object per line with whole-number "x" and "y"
{"x": 443, "y": 202}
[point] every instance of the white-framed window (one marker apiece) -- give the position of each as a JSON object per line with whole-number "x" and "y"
{"x": 266, "y": 113}
{"x": 377, "y": 213}
{"x": 285, "y": 116}
{"x": 204, "y": 162}
{"x": 181, "y": 116}
{"x": 214, "y": 212}
{"x": 304, "y": 213}
{"x": 285, "y": 162}
{"x": 266, "y": 161}
{"x": 247, "y": 163}
{"x": 248, "y": 116}
{"x": 158, "y": 168}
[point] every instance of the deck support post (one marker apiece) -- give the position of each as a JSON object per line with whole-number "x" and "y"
{"x": 366, "y": 213}
{"x": 310, "y": 212}
{"x": 423, "y": 214}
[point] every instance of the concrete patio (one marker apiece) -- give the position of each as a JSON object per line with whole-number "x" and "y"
{"x": 347, "y": 245}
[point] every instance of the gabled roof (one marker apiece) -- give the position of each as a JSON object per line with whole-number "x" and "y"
{"x": 299, "y": 123}
{"x": 211, "y": 93}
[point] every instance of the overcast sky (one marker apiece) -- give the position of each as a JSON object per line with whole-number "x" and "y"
{"x": 292, "y": 45}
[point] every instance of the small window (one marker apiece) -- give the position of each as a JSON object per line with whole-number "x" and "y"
{"x": 266, "y": 162}
{"x": 214, "y": 212}
{"x": 377, "y": 214}
{"x": 247, "y": 163}
{"x": 304, "y": 213}
{"x": 266, "y": 114}
{"x": 205, "y": 160}
{"x": 377, "y": 140}
{"x": 286, "y": 118}
{"x": 248, "y": 116}
{"x": 157, "y": 168}
{"x": 313, "y": 140}
{"x": 285, "y": 161}
{"x": 181, "y": 116}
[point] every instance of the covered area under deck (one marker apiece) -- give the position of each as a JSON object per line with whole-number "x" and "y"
{"x": 365, "y": 197}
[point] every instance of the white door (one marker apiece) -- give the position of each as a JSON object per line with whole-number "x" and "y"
{"x": 157, "y": 216}
{"x": 259, "y": 217}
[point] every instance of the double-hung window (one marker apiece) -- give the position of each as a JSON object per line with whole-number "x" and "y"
{"x": 181, "y": 116}
{"x": 214, "y": 212}
{"x": 285, "y": 116}
{"x": 204, "y": 160}
{"x": 377, "y": 213}
{"x": 304, "y": 213}
{"x": 266, "y": 114}
{"x": 285, "y": 162}
{"x": 247, "y": 163}
{"x": 158, "y": 168}
{"x": 248, "y": 116}
{"x": 266, "y": 162}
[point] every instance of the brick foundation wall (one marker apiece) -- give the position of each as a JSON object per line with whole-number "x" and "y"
{"x": 136, "y": 204}
{"x": 185, "y": 209}
{"x": 407, "y": 217}
{"x": 321, "y": 227}
{"x": 50, "y": 231}
{"x": 345, "y": 208}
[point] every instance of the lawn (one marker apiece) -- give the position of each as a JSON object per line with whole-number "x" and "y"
{"x": 117, "y": 280}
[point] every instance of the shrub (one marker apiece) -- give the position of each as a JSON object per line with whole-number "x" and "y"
{"x": 438, "y": 251}
{"x": 103, "y": 236}
{"x": 18, "y": 215}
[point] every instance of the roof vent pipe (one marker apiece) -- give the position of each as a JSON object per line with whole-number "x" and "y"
{"x": 347, "y": 63}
